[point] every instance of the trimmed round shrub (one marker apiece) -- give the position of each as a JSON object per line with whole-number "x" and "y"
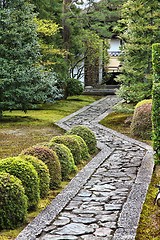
{"x": 13, "y": 202}
{"x": 141, "y": 125}
{"x": 87, "y": 135}
{"x": 50, "y": 158}
{"x": 28, "y": 176}
{"x": 72, "y": 144}
{"x": 66, "y": 159}
{"x": 43, "y": 173}
{"x": 83, "y": 146}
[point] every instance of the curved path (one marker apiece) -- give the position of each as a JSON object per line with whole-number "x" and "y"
{"x": 104, "y": 200}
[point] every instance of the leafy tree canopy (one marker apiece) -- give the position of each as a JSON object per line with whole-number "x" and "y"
{"x": 22, "y": 81}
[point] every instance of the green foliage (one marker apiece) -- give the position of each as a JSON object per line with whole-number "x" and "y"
{"x": 84, "y": 149}
{"x": 140, "y": 23}
{"x": 149, "y": 226}
{"x": 102, "y": 16}
{"x": 69, "y": 86}
{"x": 135, "y": 92}
{"x": 156, "y": 120}
{"x": 87, "y": 135}
{"x": 141, "y": 125}
{"x": 27, "y": 174}
{"x": 72, "y": 144}
{"x": 145, "y": 101}
{"x": 65, "y": 157}
{"x": 43, "y": 173}
{"x": 13, "y": 202}
{"x": 156, "y": 61}
{"x": 156, "y": 101}
{"x": 123, "y": 107}
{"x": 50, "y": 158}
{"x": 73, "y": 87}
{"x": 23, "y": 82}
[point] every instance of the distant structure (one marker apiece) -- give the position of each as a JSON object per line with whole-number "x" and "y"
{"x": 112, "y": 69}
{"x": 100, "y": 72}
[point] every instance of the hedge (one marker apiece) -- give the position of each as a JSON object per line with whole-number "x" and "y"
{"x": 156, "y": 100}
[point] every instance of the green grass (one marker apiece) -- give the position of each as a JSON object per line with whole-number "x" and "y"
{"x": 116, "y": 121}
{"x": 149, "y": 225}
{"x": 19, "y": 131}
{"x": 46, "y": 114}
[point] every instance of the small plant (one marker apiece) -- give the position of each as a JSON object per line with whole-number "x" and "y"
{"x": 43, "y": 173}
{"x": 72, "y": 144}
{"x": 141, "y": 125}
{"x": 28, "y": 176}
{"x": 66, "y": 159}
{"x": 13, "y": 202}
{"x": 87, "y": 135}
{"x": 84, "y": 149}
{"x": 50, "y": 158}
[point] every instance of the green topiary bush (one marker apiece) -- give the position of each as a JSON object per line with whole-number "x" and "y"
{"x": 87, "y": 135}
{"x": 83, "y": 146}
{"x": 13, "y": 202}
{"x": 28, "y": 176}
{"x": 43, "y": 173}
{"x": 72, "y": 144}
{"x": 141, "y": 125}
{"x": 156, "y": 101}
{"x": 50, "y": 158}
{"x": 66, "y": 159}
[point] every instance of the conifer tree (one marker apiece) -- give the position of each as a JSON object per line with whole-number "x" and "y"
{"x": 140, "y": 24}
{"x": 22, "y": 80}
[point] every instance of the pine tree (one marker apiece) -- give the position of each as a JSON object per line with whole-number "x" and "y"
{"x": 101, "y": 17}
{"x": 141, "y": 21}
{"x": 21, "y": 79}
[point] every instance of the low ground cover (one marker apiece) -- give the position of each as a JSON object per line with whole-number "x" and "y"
{"x": 19, "y": 130}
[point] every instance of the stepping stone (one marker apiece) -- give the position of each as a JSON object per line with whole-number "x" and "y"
{"x": 73, "y": 229}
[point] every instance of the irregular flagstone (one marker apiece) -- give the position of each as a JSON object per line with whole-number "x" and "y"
{"x": 104, "y": 200}
{"x": 103, "y": 232}
{"x": 61, "y": 221}
{"x": 74, "y": 229}
{"x": 85, "y": 220}
{"x": 57, "y": 237}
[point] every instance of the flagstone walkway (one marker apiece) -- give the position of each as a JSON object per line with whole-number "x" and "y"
{"x": 104, "y": 200}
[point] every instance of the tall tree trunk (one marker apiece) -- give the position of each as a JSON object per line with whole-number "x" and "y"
{"x": 65, "y": 25}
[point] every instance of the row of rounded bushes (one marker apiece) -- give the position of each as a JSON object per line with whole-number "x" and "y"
{"x": 28, "y": 177}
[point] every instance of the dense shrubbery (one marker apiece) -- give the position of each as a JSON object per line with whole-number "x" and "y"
{"x": 141, "y": 125}
{"x": 72, "y": 144}
{"x": 83, "y": 146}
{"x": 87, "y": 135}
{"x": 156, "y": 100}
{"x": 13, "y": 201}
{"x": 66, "y": 159}
{"x": 50, "y": 158}
{"x": 28, "y": 176}
{"x": 43, "y": 173}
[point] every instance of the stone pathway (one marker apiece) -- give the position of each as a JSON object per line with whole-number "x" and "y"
{"x": 105, "y": 199}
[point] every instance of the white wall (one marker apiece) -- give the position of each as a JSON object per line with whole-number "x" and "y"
{"x": 114, "y": 45}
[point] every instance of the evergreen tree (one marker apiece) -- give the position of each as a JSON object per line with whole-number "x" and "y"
{"x": 101, "y": 17}
{"x": 21, "y": 79}
{"x": 140, "y": 24}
